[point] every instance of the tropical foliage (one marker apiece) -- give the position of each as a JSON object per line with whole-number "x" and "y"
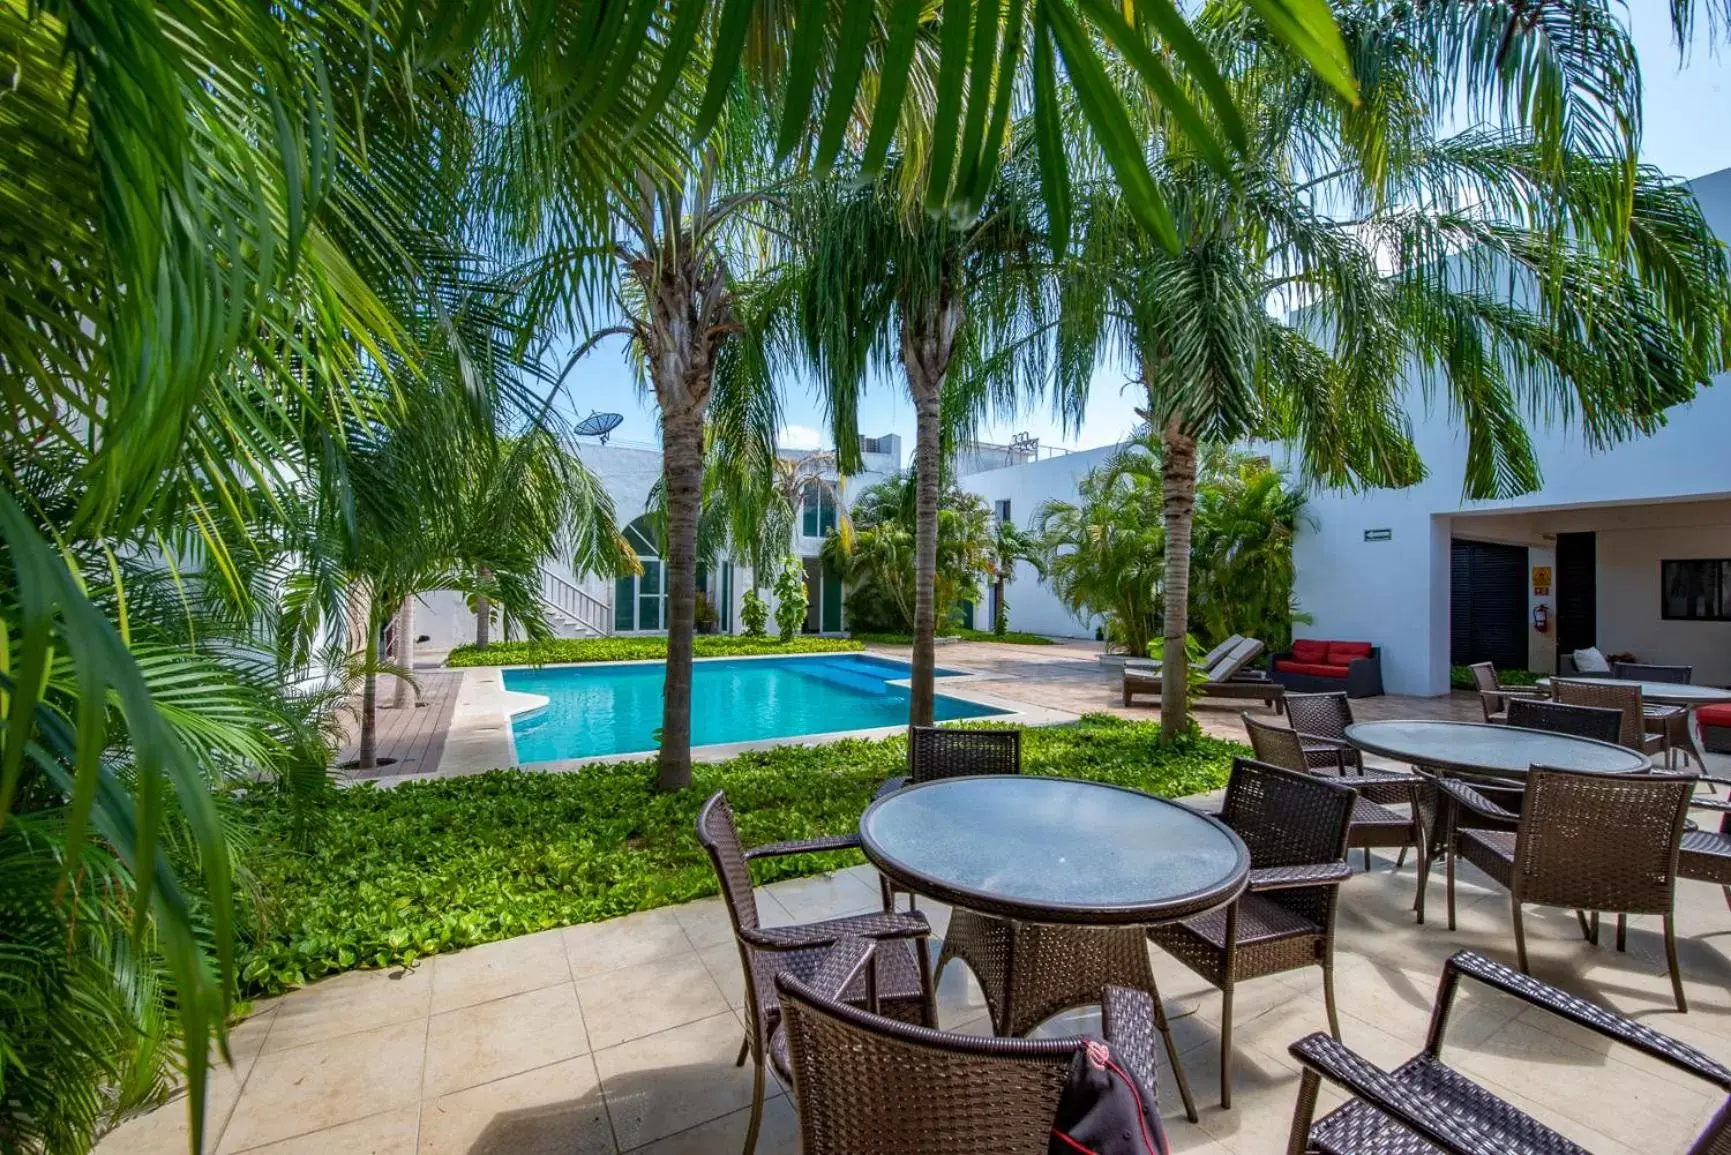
{"x": 560, "y": 651}
{"x": 433, "y": 866}
{"x": 791, "y": 598}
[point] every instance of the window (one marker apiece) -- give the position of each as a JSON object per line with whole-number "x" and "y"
{"x": 1695, "y": 590}
{"x": 639, "y": 602}
{"x": 869, "y": 445}
{"x": 818, "y": 514}
{"x": 1003, "y": 508}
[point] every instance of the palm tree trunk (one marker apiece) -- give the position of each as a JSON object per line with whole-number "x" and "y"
{"x": 682, "y": 466}
{"x": 405, "y": 697}
{"x": 928, "y": 339}
{"x": 368, "y": 756}
{"x": 1178, "y": 481}
{"x": 1000, "y": 612}
{"x": 483, "y": 611}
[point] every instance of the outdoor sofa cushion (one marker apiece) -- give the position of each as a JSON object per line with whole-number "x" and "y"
{"x": 1719, "y": 715}
{"x": 1342, "y": 653}
{"x": 1309, "y": 650}
{"x": 1314, "y": 669}
{"x": 1591, "y": 661}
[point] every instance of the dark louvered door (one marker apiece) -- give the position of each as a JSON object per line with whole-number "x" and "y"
{"x": 1488, "y": 604}
{"x": 1577, "y": 592}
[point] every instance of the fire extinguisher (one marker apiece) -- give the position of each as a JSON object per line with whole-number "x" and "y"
{"x": 1542, "y": 618}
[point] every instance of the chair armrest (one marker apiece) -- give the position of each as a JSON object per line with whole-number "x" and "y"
{"x": 803, "y": 936}
{"x": 1127, "y": 1022}
{"x": 1466, "y": 796}
{"x": 1323, "y": 740}
{"x": 1707, "y": 802}
{"x": 1306, "y": 874}
{"x": 803, "y": 846}
{"x": 841, "y": 966}
{"x": 1590, "y": 1015}
{"x": 1398, "y": 1100}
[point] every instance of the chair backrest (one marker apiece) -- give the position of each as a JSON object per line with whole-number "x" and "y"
{"x": 1324, "y": 715}
{"x": 1484, "y": 676}
{"x": 1642, "y": 672}
{"x": 720, "y": 838}
{"x": 1219, "y": 651}
{"x": 1291, "y": 818}
{"x": 1607, "y": 697}
{"x": 1600, "y": 841}
{"x": 1274, "y": 745}
{"x": 868, "y": 1084}
{"x": 1239, "y": 656}
{"x": 1561, "y": 718}
{"x": 939, "y": 752}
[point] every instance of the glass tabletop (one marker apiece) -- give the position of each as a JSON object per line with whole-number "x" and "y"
{"x": 1488, "y": 748}
{"x": 1054, "y": 850}
{"x": 1664, "y": 693}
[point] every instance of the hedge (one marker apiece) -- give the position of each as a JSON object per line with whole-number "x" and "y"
{"x": 398, "y": 874}
{"x": 1461, "y": 677}
{"x": 561, "y": 650}
{"x": 1011, "y": 637}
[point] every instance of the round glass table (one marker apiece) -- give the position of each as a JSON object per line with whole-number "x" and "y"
{"x": 1054, "y": 850}
{"x": 1482, "y": 748}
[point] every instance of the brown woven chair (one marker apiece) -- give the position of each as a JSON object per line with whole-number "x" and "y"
{"x": 936, "y": 752}
{"x": 1627, "y": 699}
{"x": 867, "y": 1085}
{"x": 1671, "y": 721}
{"x": 1595, "y": 722}
{"x": 1295, "y": 825}
{"x": 1374, "y": 825}
{"x": 1423, "y": 1105}
{"x": 902, "y": 972}
{"x": 1705, "y": 855}
{"x": 1494, "y": 697}
{"x": 1589, "y": 841}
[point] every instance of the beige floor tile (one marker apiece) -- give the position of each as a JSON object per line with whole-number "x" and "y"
{"x": 627, "y": 1004}
{"x": 357, "y": 1001}
{"x": 321, "y": 1085}
{"x": 670, "y": 1081}
{"x": 824, "y": 896}
{"x": 389, "y": 1133}
{"x": 490, "y": 1040}
{"x": 722, "y": 962}
{"x": 497, "y": 969}
{"x": 778, "y": 1134}
{"x": 597, "y": 947}
{"x": 707, "y": 924}
{"x": 555, "y": 1110}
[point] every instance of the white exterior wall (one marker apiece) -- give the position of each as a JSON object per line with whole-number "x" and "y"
{"x": 1033, "y": 606}
{"x": 1628, "y": 596}
{"x": 1396, "y": 593}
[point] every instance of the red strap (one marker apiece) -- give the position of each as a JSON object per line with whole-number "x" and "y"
{"x": 1073, "y": 1143}
{"x": 1141, "y": 1115}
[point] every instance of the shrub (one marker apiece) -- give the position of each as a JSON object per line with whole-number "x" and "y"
{"x": 790, "y": 598}
{"x": 396, "y": 875}
{"x": 754, "y": 614}
{"x": 562, "y": 650}
{"x": 1013, "y": 637}
{"x": 1461, "y": 678}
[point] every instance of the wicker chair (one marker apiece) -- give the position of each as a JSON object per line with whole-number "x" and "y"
{"x": 1373, "y": 823}
{"x": 1633, "y": 733}
{"x": 1295, "y": 825}
{"x": 902, "y": 973}
{"x": 1423, "y": 1105}
{"x": 1494, "y": 697}
{"x": 936, "y": 752}
{"x": 1644, "y": 672}
{"x": 1559, "y": 854}
{"x": 1705, "y": 855}
{"x": 1595, "y": 722}
{"x": 1671, "y": 721}
{"x": 867, "y": 1085}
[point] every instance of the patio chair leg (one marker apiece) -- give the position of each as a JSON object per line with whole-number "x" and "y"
{"x": 1400, "y": 861}
{"x": 1298, "y": 1142}
{"x": 1727, "y": 890}
{"x": 756, "y": 1111}
{"x": 1367, "y": 860}
{"x": 1671, "y": 961}
{"x": 1622, "y": 932}
{"x": 1328, "y": 1000}
{"x": 1226, "y": 1047}
{"x": 1451, "y": 885}
{"x": 1520, "y": 937}
{"x": 1421, "y": 858}
{"x": 744, "y": 1050}
{"x": 1589, "y": 929}
{"x": 929, "y": 1007}
{"x": 1165, "y": 1028}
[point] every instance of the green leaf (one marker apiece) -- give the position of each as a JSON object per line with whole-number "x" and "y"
{"x": 724, "y": 65}
{"x": 1308, "y": 27}
{"x": 808, "y": 40}
{"x": 1049, "y": 139}
{"x": 893, "y": 69}
{"x": 946, "y": 114}
{"x": 1130, "y": 42}
{"x": 850, "y": 53}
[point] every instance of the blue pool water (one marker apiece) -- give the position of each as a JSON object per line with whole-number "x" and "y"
{"x": 616, "y": 709}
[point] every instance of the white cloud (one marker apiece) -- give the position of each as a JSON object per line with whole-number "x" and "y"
{"x": 800, "y": 437}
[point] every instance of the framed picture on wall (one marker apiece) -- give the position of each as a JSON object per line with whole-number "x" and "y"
{"x": 1695, "y": 589}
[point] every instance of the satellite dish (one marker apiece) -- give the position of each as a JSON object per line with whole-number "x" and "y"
{"x": 598, "y": 425}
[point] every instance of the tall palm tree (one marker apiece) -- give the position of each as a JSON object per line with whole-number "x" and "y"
{"x": 1354, "y": 242}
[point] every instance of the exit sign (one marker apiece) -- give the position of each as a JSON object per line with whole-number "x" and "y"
{"x": 1379, "y": 535}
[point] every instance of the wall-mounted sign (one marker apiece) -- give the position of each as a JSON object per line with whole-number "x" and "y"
{"x": 1379, "y": 535}
{"x": 1541, "y": 581}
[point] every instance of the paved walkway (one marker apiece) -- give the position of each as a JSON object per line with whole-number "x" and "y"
{"x": 413, "y": 738}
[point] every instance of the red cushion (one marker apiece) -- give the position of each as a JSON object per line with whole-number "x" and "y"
{"x": 1308, "y": 650}
{"x": 1314, "y": 669}
{"x": 1340, "y": 653}
{"x": 1719, "y": 715}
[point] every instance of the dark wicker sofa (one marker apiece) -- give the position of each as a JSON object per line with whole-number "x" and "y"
{"x": 1314, "y": 666}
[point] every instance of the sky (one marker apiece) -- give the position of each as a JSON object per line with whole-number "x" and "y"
{"x": 1686, "y": 132}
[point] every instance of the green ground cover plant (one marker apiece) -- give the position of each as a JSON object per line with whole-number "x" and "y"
{"x": 560, "y": 650}
{"x": 396, "y": 875}
{"x": 1461, "y": 678}
{"x": 1010, "y": 637}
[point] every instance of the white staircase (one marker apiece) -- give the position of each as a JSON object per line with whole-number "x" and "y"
{"x": 567, "y": 605}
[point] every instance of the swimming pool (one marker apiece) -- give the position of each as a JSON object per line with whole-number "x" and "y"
{"x": 615, "y": 709}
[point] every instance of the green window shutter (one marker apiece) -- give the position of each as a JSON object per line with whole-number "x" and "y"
{"x": 810, "y": 528}
{"x": 830, "y": 619}
{"x": 625, "y": 605}
{"x": 826, "y": 516}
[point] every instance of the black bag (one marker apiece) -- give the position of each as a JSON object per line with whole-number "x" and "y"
{"x": 1105, "y": 1110}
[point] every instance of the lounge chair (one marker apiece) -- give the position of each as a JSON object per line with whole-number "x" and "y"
{"x": 1228, "y": 677}
{"x": 1202, "y": 663}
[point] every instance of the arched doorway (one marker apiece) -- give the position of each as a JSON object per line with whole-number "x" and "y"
{"x": 640, "y": 600}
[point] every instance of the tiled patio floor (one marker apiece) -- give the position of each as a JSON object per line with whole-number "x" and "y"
{"x": 620, "y": 1036}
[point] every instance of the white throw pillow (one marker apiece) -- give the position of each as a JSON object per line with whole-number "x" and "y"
{"x": 1591, "y": 661}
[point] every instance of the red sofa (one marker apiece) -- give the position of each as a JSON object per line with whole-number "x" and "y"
{"x": 1715, "y": 723}
{"x": 1319, "y": 666}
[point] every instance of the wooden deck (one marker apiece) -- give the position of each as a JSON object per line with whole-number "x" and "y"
{"x": 414, "y": 737}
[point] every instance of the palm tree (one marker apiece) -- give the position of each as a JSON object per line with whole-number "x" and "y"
{"x": 1241, "y": 551}
{"x": 1515, "y": 275}
{"x": 1009, "y": 546}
